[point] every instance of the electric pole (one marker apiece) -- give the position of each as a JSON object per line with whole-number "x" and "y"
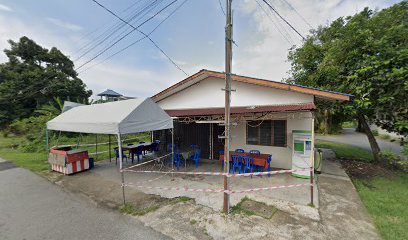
{"x": 228, "y": 60}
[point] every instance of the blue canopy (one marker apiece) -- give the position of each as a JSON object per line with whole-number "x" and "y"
{"x": 109, "y": 93}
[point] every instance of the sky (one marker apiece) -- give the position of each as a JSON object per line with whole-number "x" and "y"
{"x": 193, "y": 37}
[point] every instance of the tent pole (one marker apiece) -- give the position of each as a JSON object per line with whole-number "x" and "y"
{"x": 110, "y": 150}
{"x": 47, "y": 147}
{"x": 96, "y": 147}
{"x": 312, "y": 160}
{"x": 120, "y": 167}
{"x": 172, "y": 148}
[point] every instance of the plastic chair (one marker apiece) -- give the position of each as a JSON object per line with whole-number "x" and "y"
{"x": 236, "y": 163}
{"x": 248, "y": 164}
{"x": 138, "y": 151}
{"x": 177, "y": 160}
{"x": 196, "y": 157}
{"x": 170, "y": 147}
{"x": 194, "y": 146}
{"x": 239, "y": 150}
{"x": 255, "y": 152}
{"x": 117, "y": 155}
{"x": 268, "y": 161}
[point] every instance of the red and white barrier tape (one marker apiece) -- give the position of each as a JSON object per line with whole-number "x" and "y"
{"x": 268, "y": 188}
{"x": 143, "y": 163}
{"x": 221, "y": 173}
{"x": 218, "y": 190}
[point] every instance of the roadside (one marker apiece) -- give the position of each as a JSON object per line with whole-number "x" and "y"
{"x": 350, "y": 137}
{"x": 33, "y": 208}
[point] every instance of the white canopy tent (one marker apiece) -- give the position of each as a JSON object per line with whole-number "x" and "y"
{"x": 118, "y": 118}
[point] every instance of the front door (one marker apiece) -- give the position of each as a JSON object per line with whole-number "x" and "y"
{"x": 218, "y": 143}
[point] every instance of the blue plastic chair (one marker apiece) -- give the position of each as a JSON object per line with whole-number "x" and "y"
{"x": 239, "y": 150}
{"x": 177, "y": 160}
{"x": 236, "y": 163}
{"x": 170, "y": 146}
{"x": 196, "y": 157}
{"x": 248, "y": 164}
{"x": 117, "y": 154}
{"x": 255, "y": 152}
{"x": 269, "y": 164}
{"x": 138, "y": 151}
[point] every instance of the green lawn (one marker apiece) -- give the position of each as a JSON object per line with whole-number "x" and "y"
{"x": 37, "y": 161}
{"x": 386, "y": 199}
{"x": 346, "y": 151}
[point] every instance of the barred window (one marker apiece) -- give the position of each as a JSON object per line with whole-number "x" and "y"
{"x": 267, "y": 133}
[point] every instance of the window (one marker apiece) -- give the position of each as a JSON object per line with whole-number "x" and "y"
{"x": 267, "y": 133}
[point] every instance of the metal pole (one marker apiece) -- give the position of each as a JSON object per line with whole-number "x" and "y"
{"x": 47, "y": 147}
{"x": 96, "y": 146}
{"x": 120, "y": 167}
{"x": 110, "y": 150}
{"x": 228, "y": 68}
{"x": 312, "y": 160}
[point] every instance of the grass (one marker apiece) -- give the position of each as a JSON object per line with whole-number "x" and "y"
{"x": 131, "y": 210}
{"x": 384, "y": 136}
{"x": 239, "y": 209}
{"x": 386, "y": 199}
{"x": 37, "y": 161}
{"x": 346, "y": 151}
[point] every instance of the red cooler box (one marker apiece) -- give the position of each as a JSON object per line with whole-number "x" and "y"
{"x": 67, "y": 161}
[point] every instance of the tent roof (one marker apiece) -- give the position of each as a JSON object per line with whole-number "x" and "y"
{"x": 69, "y": 105}
{"x": 109, "y": 93}
{"x": 124, "y": 117}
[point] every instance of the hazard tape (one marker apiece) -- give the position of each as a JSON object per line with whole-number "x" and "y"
{"x": 143, "y": 163}
{"x": 221, "y": 173}
{"x": 269, "y": 188}
{"x": 216, "y": 190}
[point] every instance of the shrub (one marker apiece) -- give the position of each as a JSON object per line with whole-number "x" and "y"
{"x": 384, "y": 136}
{"x": 375, "y": 132}
{"x": 394, "y": 161}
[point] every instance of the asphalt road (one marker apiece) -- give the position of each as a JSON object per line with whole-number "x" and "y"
{"x": 33, "y": 208}
{"x": 351, "y": 137}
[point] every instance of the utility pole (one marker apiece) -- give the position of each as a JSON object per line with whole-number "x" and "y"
{"x": 228, "y": 63}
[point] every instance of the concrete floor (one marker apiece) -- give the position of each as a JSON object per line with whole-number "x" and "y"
{"x": 297, "y": 195}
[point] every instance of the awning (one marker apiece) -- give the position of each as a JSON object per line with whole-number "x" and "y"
{"x": 239, "y": 110}
{"x": 120, "y": 117}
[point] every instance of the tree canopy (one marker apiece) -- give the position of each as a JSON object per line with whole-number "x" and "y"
{"x": 365, "y": 55}
{"x": 33, "y": 76}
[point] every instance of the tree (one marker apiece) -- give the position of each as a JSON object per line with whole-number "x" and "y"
{"x": 365, "y": 55}
{"x": 34, "y": 76}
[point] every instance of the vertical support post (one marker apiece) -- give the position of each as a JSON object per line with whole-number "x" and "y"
{"x": 47, "y": 147}
{"x": 228, "y": 68}
{"x": 121, "y": 166}
{"x": 96, "y": 147}
{"x": 172, "y": 148}
{"x": 312, "y": 160}
{"x": 110, "y": 149}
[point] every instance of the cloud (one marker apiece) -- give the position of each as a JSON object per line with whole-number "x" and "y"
{"x": 265, "y": 54}
{"x": 5, "y": 8}
{"x": 63, "y": 24}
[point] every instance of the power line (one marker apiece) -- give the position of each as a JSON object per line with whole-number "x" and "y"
{"x": 222, "y": 9}
{"x": 138, "y": 40}
{"x": 147, "y": 36}
{"x": 297, "y": 13}
{"x": 120, "y": 39}
{"x": 287, "y": 38}
{"x": 277, "y": 13}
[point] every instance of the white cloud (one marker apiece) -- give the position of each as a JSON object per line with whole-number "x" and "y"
{"x": 64, "y": 24}
{"x": 5, "y": 8}
{"x": 266, "y": 54}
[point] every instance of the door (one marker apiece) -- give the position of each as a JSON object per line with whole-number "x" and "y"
{"x": 218, "y": 143}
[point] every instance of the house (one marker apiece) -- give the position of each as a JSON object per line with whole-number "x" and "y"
{"x": 265, "y": 115}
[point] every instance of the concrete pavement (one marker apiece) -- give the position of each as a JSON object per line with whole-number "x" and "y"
{"x": 33, "y": 208}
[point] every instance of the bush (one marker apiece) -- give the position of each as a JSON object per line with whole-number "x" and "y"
{"x": 385, "y": 136}
{"x": 375, "y": 132}
{"x": 394, "y": 161}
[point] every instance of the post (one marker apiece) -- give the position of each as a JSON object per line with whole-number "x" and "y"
{"x": 110, "y": 150}
{"x": 312, "y": 160}
{"x": 228, "y": 68}
{"x": 172, "y": 148}
{"x": 120, "y": 167}
{"x": 47, "y": 147}
{"x": 96, "y": 146}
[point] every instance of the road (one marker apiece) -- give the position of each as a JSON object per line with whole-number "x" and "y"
{"x": 350, "y": 137}
{"x": 33, "y": 208}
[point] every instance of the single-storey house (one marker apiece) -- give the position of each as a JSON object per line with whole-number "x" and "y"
{"x": 265, "y": 114}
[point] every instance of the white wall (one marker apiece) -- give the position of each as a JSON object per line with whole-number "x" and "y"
{"x": 208, "y": 94}
{"x": 281, "y": 156}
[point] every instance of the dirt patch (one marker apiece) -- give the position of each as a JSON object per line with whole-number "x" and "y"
{"x": 250, "y": 207}
{"x": 364, "y": 170}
